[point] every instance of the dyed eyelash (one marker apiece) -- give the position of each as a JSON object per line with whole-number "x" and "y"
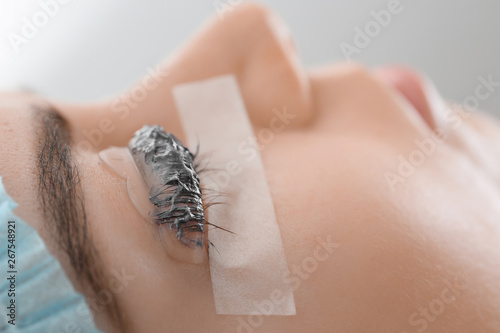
{"x": 171, "y": 171}
{"x": 171, "y": 201}
{"x": 211, "y": 198}
{"x": 178, "y": 203}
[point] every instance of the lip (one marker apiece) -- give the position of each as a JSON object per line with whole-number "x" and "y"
{"x": 417, "y": 90}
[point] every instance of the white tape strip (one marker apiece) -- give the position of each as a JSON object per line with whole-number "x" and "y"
{"x": 247, "y": 267}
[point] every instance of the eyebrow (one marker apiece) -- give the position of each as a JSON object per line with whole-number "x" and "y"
{"x": 61, "y": 197}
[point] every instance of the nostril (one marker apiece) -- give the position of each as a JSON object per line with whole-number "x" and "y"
{"x": 417, "y": 90}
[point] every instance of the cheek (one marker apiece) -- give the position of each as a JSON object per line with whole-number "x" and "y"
{"x": 340, "y": 196}
{"x": 324, "y": 175}
{"x": 393, "y": 251}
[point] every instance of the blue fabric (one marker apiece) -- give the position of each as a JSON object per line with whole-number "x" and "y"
{"x": 45, "y": 300}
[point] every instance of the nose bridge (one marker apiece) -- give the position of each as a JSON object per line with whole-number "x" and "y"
{"x": 272, "y": 77}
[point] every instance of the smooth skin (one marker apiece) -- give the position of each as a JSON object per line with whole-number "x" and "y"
{"x": 412, "y": 255}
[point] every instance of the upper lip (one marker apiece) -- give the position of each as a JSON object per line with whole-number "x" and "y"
{"x": 419, "y": 92}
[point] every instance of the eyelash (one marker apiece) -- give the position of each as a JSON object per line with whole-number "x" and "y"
{"x": 178, "y": 203}
{"x": 182, "y": 206}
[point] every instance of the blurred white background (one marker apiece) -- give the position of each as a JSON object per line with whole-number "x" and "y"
{"x": 91, "y": 49}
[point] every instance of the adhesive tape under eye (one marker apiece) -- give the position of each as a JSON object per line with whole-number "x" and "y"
{"x": 248, "y": 264}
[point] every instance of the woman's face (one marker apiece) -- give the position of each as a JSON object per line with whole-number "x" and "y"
{"x": 387, "y": 200}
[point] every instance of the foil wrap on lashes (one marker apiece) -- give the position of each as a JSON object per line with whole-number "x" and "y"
{"x": 167, "y": 168}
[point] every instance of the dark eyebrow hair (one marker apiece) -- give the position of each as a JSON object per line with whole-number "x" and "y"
{"x": 61, "y": 198}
